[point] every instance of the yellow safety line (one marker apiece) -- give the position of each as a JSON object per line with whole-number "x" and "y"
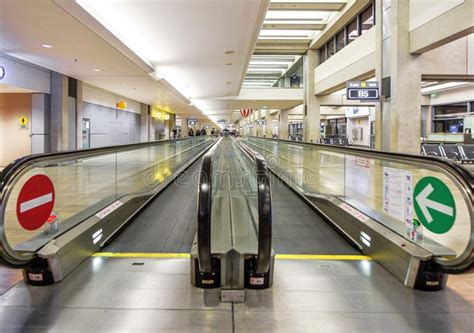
{"x": 321, "y": 257}
{"x": 142, "y": 255}
{"x": 187, "y": 255}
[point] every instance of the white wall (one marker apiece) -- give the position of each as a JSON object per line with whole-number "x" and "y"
{"x": 423, "y": 11}
{"x": 356, "y": 59}
{"x": 26, "y": 76}
{"x": 102, "y": 97}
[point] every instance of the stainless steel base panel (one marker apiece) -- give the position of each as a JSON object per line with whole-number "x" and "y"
{"x": 231, "y": 271}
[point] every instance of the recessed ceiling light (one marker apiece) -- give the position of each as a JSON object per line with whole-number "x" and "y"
{"x": 97, "y": 70}
{"x": 228, "y": 82}
{"x": 230, "y": 52}
{"x": 229, "y": 64}
{"x": 46, "y": 46}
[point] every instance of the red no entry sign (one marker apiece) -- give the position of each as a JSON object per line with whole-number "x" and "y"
{"x": 35, "y": 202}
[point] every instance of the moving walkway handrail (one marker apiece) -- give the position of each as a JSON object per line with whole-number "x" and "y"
{"x": 264, "y": 211}
{"x": 462, "y": 176}
{"x": 13, "y": 172}
{"x": 204, "y": 213}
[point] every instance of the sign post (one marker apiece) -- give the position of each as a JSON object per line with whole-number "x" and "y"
{"x": 362, "y": 90}
{"x": 434, "y": 205}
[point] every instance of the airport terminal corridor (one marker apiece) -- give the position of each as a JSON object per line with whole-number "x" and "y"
{"x": 237, "y": 166}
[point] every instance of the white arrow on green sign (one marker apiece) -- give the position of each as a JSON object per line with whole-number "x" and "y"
{"x": 434, "y": 205}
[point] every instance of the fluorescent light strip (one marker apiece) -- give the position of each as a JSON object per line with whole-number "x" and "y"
{"x": 443, "y": 86}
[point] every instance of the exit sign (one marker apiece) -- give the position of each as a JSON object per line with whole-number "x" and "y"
{"x": 362, "y": 90}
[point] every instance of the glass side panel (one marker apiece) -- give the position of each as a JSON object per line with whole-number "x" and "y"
{"x": 78, "y": 185}
{"x": 86, "y": 186}
{"x": 422, "y": 202}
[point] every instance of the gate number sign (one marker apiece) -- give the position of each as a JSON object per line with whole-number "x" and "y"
{"x": 362, "y": 90}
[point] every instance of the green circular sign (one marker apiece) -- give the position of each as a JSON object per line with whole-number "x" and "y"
{"x": 434, "y": 205}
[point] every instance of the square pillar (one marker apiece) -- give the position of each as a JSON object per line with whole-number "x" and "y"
{"x": 312, "y": 108}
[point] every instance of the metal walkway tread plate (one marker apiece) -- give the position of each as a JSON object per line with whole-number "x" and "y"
{"x": 168, "y": 223}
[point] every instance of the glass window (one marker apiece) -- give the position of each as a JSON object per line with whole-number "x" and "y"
{"x": 366, "y": 19}
{"x": 331, "y": 49}
{"x": 352, "y": 31}
{"x": 322, "y": 54}
{"x": 340, "y": 40}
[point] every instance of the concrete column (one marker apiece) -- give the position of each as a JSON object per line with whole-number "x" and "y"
{"x": 145, "y": 123}
{"x": 312, "y": 115}
{"x": 401, "y": 112}
{"x": 171, "y": 125}
{"x": 379, "y": 40}
{"x": 283, "y": 124}
{"x": 269, "y": 125}
{"x": 40, "y": 123}
{"x": 60, "y": 113}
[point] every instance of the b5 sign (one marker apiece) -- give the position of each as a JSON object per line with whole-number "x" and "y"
{"x": 362, "y": 90}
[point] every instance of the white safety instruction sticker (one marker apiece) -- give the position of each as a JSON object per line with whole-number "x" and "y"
{"x": 397, "y": 194}
{"x": 354, "y": 212}
{"x": 109, "y": 209}
{"x": 257, "y": 281}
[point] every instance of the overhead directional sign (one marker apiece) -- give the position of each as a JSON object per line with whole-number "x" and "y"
{"x": 35, "y": 202}
{"x": 261, "y": 122}
{"x": 362, "y": 90}
{"x": 434, "y": 205}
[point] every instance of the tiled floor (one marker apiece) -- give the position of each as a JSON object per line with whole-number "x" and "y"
{"x": 114, "y": 295}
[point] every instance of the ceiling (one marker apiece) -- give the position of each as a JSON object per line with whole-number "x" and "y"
{"x": 290, "y": 26}
{"x": 191, "y": 49}
{"x": 288, "y": 29}
{"x": 188, "y": 56}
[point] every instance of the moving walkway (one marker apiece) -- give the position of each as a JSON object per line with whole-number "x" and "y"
{"x": 119, "y": 199}
{"x": 412, "y": 214}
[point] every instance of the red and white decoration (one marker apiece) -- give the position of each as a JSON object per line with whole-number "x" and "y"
{"x": 35, "y": 202}
{"x": 245, "y": 112}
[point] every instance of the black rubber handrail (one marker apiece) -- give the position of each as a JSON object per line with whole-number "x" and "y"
{"x": 18, "y": 166}
{"x": 264, "y": 211}
{"x": 204, "y": 212}
{"x": 464, "y": 262}
{"x": 264, "y": 216}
